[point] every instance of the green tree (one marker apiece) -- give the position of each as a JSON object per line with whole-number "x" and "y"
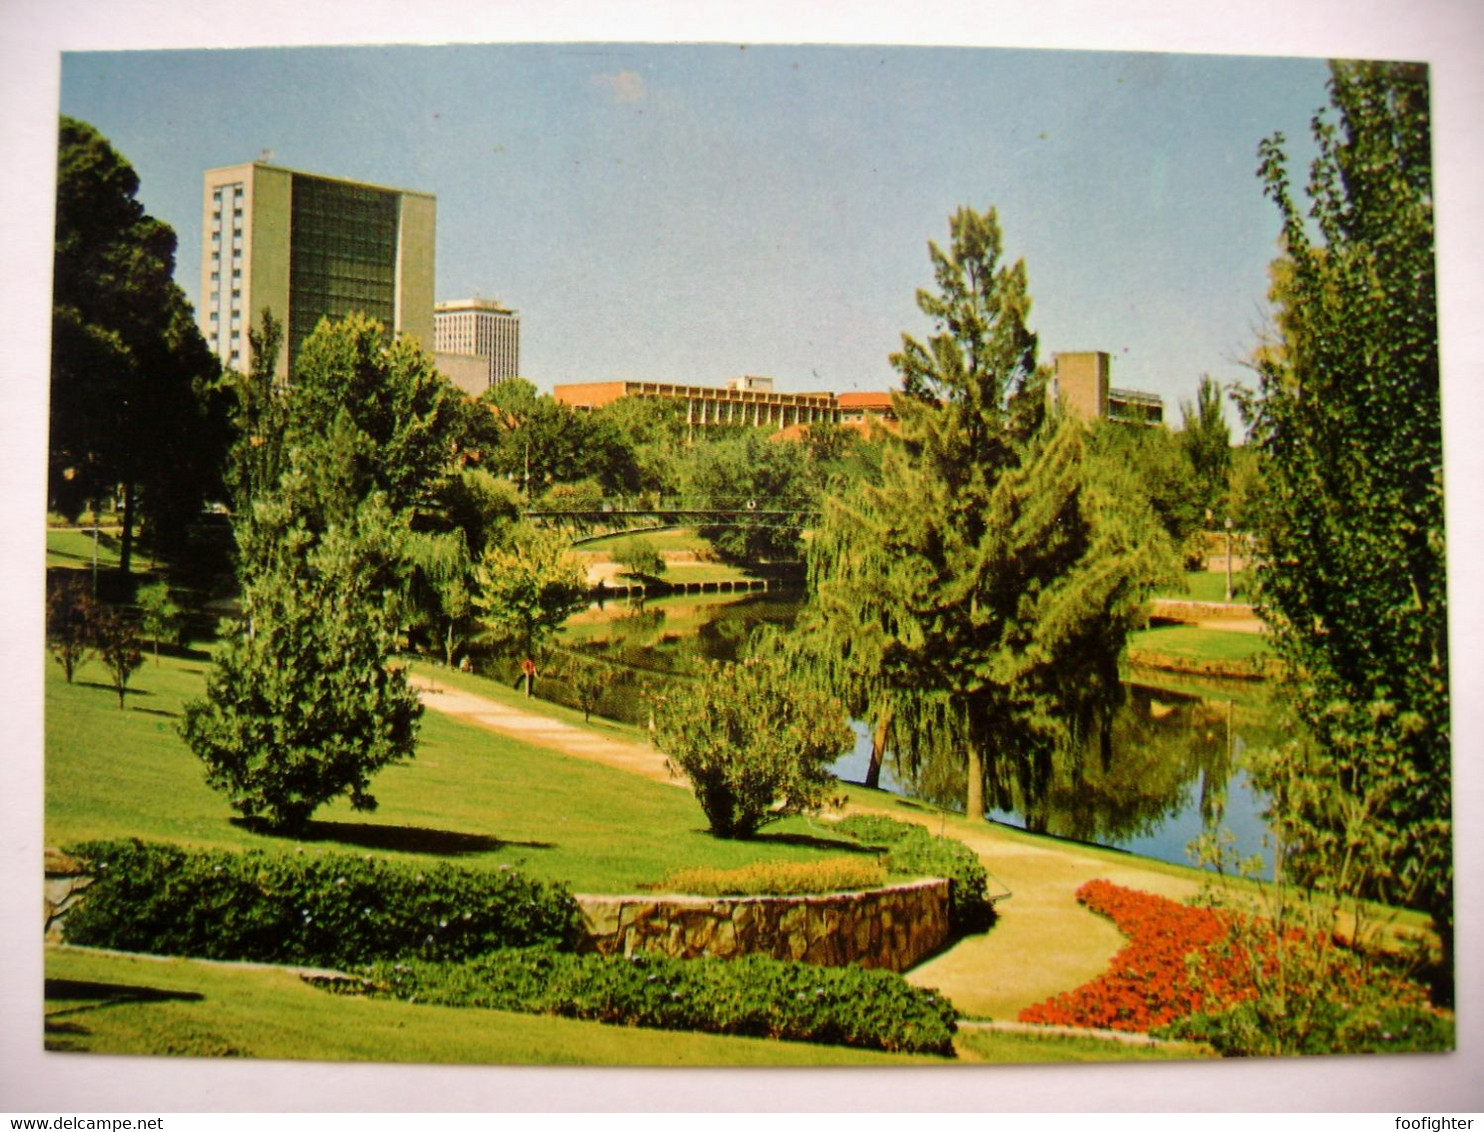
{"x": 475, "y": 502}
{"x": 302, "y": 706}
{"x": 1347, "y": 419}
{"x": 467, "y": 511}
{"x": 755, "y": 745}
{"x": 441, "y": 587}
{"x": 527, "y": 585}
{"x": 396, "y": 424}
{"x": 1164, "y": 473}
{"x": 117, "y": 642}
{"x": 752, "y": 477}
{"x": 589, "y": 680}
{"x": 332, "y": 473}
{"x": 649, "y": 431}
{"x": 1206, "y": 441}
{"x": 71, "y": 616}
{"x": 361, "y": 416}
{"x": 640, "y": 559}
{"x": 1246, "y": 487}
{"x": 159, "y": 614}
{"x": 541, "y": 441}
{"x": 259, "y": 452}
{"x": 134, "y": 403}
{"x": 992, "y": 577}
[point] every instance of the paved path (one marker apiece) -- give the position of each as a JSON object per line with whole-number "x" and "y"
{"x": 640, "y": 758}
{"x": 1043, "y": 943}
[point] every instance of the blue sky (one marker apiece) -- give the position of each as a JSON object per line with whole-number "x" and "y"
{"x": 691, "y": 213}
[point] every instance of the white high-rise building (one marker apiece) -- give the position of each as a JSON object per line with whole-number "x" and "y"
{"x": 477, "y": 328}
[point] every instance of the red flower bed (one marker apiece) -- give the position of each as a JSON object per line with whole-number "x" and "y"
{"x": 1149, "y": 983}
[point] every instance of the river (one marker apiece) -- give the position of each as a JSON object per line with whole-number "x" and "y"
{"x": 1172, "y": 765}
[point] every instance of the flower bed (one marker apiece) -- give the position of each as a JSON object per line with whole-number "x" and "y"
{"x": 1184, "y": 961}
{"x": 1149, "y": 982}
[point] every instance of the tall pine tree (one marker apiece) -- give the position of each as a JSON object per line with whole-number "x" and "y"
{"x": 987, "y": 584}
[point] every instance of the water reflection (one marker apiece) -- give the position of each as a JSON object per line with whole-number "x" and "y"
{"x": 1169, "y": 764}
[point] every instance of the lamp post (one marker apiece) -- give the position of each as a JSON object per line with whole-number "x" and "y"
{"x": 1228, "y": 559}
{"x": 93, "y": 530}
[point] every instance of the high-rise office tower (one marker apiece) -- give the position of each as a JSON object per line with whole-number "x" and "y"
{"x": 480, "y": 328}
{"x": 307, "y": 247}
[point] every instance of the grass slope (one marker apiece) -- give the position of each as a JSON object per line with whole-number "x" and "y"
{"x": 470, "y": 796}
{"x": 74, "y": 548}
{"x": 1210, "y": 585}
{"x": 104, "y": 1003}
{"x": 98, "y": 1002}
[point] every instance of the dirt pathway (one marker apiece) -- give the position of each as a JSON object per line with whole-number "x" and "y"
{"x": 1043, "y": 943}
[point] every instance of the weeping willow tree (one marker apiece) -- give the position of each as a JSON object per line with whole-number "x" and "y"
{"x": 974, "y": 602}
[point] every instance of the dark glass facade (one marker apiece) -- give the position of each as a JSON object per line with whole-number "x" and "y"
{"x": 344, "y": 240}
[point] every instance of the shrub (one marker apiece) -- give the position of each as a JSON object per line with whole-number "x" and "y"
{"x": 752, "y": 996}
{"x": 334, "y": 910}
{"x": 640, "y": 559}
{"x": 779, "y": 878}
{"x": 913, "y": 851}
{"x": 1334, "y": 1028}
{"x": 755, "y": 746}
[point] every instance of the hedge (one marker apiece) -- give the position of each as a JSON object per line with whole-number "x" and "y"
{"x": 912, "y": 850}
{"x": 333, "y": 910}
{"x": 752, "y": 996}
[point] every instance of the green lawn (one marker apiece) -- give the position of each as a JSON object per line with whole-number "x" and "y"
{"x": 1197, "y": 643}
{"x": 69, "y": 547}
{"x": 118, "y": 1004}
{"x": 1210, "y": 585}
{"x": 103, "y": 1003}
{"x": 469, "y": 796}
{"x": 666, "y": 540}
{"x": 677, "y": 573}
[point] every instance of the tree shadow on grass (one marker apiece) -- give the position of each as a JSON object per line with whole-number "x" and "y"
{"x": 111, "y": 690}
{"x": 95, "y": 996}
{"x": 810, "y": 841}
{"x": 397, "y": 838}
{"x": 180, "y": 652}
{"x": 62, "y": 1036}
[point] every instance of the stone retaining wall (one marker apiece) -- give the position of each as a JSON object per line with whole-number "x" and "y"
{"x": 1253, "y": 668}
{"x": 894, "y": 927}
{"x": 1172, "y": 609}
